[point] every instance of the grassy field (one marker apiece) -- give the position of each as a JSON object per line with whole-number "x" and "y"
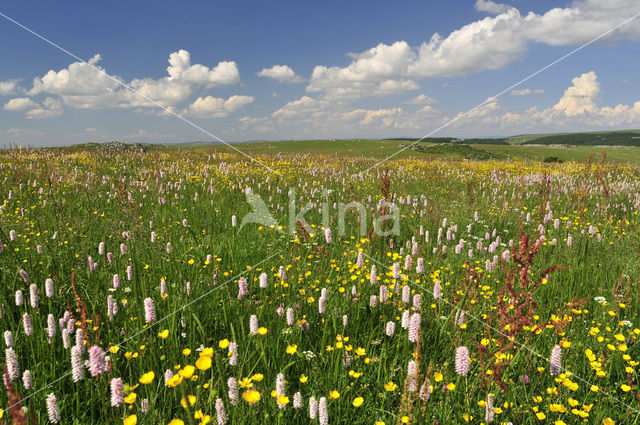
{"x": 361, "y": 148}
{"x": 185, "y": 286}
{"x": 385, "y": 148}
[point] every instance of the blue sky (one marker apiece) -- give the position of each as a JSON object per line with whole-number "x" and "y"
{"x": 248, "y": 70}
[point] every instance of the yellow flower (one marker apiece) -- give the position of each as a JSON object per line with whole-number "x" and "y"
{"x": 404, "y": 419}
{"x": 451, "y": 386}
{"x": 164, "y": 334}
{"x": 357, "y": 402}
{"x": 223, "y": 343}
{"x": 186, "y": 351}
{"x": 192, "y": 401}
{"x": 437, "y": 376}
{"x": 113, "y": 350}
{"x": 334, "y": 394}
{"x": 304, "y": 378}
{"x": 203, "y": 363}
{"x": 245, "y": 383}
{"x": 176, "y": 422}
{"x": 467, "y": 417}
{"x": 130, "y": 420}
{"x": 625, "y": 388}
{"x": 541, "y": 416}
{"x": 292, "y": 349}
{"x": 251, "y": 396}
{"x": 175, "y": 381}
{"x": 283, "y": 399}
{"x": 147, "y": 378}
{"x": 390, "y": 386}
{"x": 131, "y": 398}
{"x": 187, "y": 371}
{"x": 360, "y": 351}
{"x": 199, "y": 414}
{"x": 257, "y": 377}
{"x": 608, "y": 421}
{"x": 262, "y": 330}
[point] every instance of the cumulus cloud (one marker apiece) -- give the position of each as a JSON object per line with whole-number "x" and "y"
{"x": 305, "y": 106}
{"x": 181, "y": 69}
{"x": 576, "y": 109}
{"x": 214, "y": 107}
{"x": 281, "y": 73}
{"x": 8, "y": 87}
{"x": 526, "y": 92}
{"x": 489, "y": 43}
{"x": 87, "y": 85}
{"x": 368, "y": 116}
{"x": 490, "y": 6}
{"x": 421, "y": 99}
{"x": 580, "y": 97}
{"x": 324, "y": 117}
{"x": 20, "y": 104}
{"x": 50, "y": 107}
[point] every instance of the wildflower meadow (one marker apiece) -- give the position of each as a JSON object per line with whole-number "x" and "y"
{"x": 201, "y": 287}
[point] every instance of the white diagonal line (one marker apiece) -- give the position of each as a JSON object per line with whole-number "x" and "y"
{"x": 147, "y": 98}
{"x": 149, "y": 327}
{"x": 532, "y": 351}
{"x": 480, "y": 105}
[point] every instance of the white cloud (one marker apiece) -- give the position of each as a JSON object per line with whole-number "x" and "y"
{"x": 526, "y": 92}
{"x": 583, "y": 21}
{"x": 78, "y": 81}
{"x": 50, "y": 107}
{"x": 20, "y": 104}
{"x": 24, "y": 132}
{"x": 180, "y": 69}
{"x": 281, "y": 73}
{"x": 580, "y": 97}
{"x": 256, "y": 124}
{"x": 86, "y": 86}
{"x": 305, "y": 106}
{"x": 576, "y": 109}
{"x": 379, "y": 71}
{"x": 8, "y": 87}
{"x": 324, "y": 117}
{"x": 421, "y": 99}
{"x": 368, "y": 116}
{"x": 490, "y": 6}
{"x": 214, "y": 107}
{"x": 486, "y": 44}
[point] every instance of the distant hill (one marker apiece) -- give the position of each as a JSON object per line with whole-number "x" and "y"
{"x": 593, "y": 138}
{"x": 614, "y": 138}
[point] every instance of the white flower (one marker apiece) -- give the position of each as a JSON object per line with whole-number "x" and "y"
{"x": 600, "y": 300}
